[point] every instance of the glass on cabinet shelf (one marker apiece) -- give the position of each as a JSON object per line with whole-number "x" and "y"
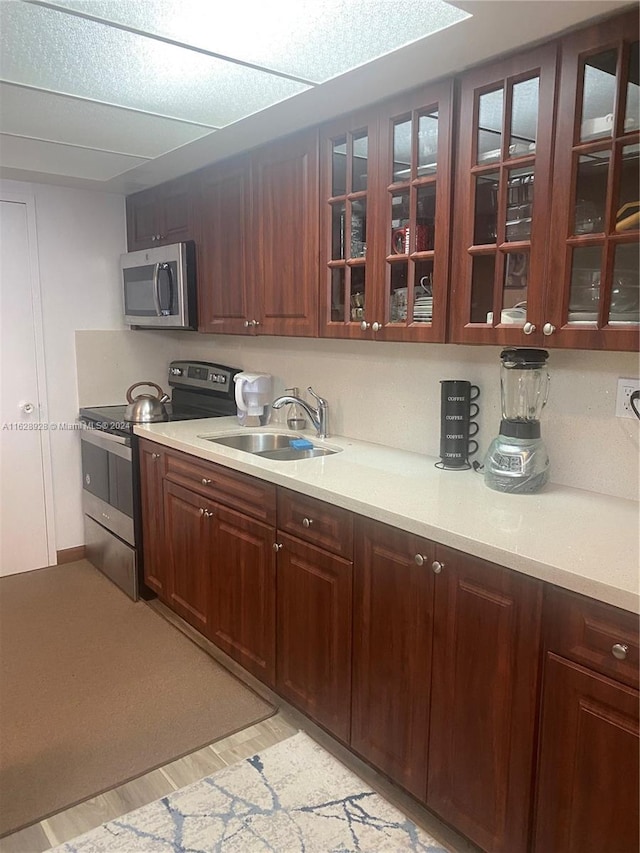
{"x": 624, "y": 306}
{"x": 486, "y": 208}
{"x": 598, "y": 95}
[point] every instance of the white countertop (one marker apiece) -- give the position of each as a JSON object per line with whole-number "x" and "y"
{"x": 579, "y": 540}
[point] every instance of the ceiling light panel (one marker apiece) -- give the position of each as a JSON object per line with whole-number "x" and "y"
{"x": 52, "y": 50}
{"x": 310, "y": 39}
{"x": 37, "y": 156}
{"x": 57, "y": 118}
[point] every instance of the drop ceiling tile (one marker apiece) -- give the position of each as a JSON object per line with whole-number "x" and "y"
{"x": 57, "y": 118}
{"x": 52, "y": 50}
{"x": 16, "y": 152}
{"x": 312, "y": 39}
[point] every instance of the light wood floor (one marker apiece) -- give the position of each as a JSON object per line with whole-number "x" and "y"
{"x": 87, "y": 815}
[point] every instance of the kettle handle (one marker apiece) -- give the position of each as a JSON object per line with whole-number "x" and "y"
{"x": 138, "y": 384}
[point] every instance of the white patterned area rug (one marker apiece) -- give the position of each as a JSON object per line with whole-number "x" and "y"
{"x": 292, "y": 798}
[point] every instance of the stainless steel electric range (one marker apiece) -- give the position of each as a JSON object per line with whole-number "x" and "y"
{"x": 111, "y": 475}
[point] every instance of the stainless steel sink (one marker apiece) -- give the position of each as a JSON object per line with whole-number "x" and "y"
{"x": 271, "y": 445}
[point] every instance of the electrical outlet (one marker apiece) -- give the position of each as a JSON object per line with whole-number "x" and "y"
{"x": 626, "y": 387}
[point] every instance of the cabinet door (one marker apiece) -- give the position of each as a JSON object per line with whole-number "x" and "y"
{"x": 242, "y": 595}
{"x": 415, "y": 210}
{"x": 224, "y": 209}
{"x": 142, "y": 220}
{"x": 154, "y": 554}
{"x": 392, "y": 631}
{"x": 486, "y": 649}
{"x": 188, "y": 526}
{"x": 283, "y": 249}
{"x": 175, "y": 210}
{"x": 314, "y": 633}
{"x": 588, "y": 774}
{"x": 502, "y": 201}
{"x": 348, "y": 174}
{"x": 595, "y": 299}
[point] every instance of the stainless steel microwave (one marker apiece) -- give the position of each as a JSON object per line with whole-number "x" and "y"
{"x": 159, "y": 287}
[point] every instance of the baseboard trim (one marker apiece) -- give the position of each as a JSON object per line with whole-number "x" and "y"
{"x": 70, "y": 555}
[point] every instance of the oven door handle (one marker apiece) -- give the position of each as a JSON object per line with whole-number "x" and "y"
{"x": 156, "y": 289}
{"x": 112, "y": 443}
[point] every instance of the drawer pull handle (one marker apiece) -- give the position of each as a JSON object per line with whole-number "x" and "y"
{"x": 419, "y": 560}
{"x": 206, "y": 482}
{"x": 307, "y": 522}
{"x": 437, "y": 567}
{"x": 619, "y": 651}
{"x": 277, "y": 547}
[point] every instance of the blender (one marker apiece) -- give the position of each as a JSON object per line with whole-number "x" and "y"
{"x": 517, "y": 460}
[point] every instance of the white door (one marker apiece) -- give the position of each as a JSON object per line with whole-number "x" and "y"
{"x": 23, "y": 517}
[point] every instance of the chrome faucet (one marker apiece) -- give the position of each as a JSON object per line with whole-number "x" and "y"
{"x": 319, "y": 417}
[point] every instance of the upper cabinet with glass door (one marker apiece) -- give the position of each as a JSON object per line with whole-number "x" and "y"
{"x": 593, "y": 292}
{"x": 502, "y": 200}
{"x": 385, "y": 178}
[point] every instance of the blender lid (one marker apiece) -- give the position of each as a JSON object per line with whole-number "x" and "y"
{"x": 524, "y": 358}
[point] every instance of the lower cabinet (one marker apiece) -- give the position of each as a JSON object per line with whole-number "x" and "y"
{"x": 314, "y": 633}
{"x": 189, "y": 542}
{"x": 424, "y": 660}
{"x": 588, "y": 776}
{"x": 242, "y": 583}
{"x": 392, "y": 630}
{"x": 486, "y": 648}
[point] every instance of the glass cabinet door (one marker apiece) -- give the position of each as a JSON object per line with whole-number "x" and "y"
{"x": 345, "y": 171}
{"x": 501, "y": 209}
{"x": 595, "y": 301}
{"x": 415, "y": 133}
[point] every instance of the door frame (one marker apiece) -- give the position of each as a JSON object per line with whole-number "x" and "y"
{"x": 29, "y": 200}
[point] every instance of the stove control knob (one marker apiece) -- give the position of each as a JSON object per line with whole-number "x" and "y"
{"x": 528, "y": 328}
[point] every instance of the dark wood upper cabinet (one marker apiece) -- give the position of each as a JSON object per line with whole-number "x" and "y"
{"x": 593, "y": 293}
{"x": 392, "y": 636}
{"x": 282, "y": 252}
{"x": 486, "y": 652}
{"x": 588, "y": 773}
{"x": 386, "y": 184}
{"x": 161, "y": 215}
{"x": 225, "y": 300}
{"x": 502, "y": 200}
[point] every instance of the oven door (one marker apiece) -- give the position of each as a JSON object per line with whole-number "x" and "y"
{"x": 154, "y": 287}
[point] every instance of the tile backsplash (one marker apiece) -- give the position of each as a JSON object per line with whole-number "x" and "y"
{"x": 390, "y": 393}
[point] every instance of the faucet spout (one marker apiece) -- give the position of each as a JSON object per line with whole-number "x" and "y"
{"x": 319, "y": 418}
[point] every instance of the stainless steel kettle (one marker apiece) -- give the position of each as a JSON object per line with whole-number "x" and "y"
{"x": 146, "y": 408}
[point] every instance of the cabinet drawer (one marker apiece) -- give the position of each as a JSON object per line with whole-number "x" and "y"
{"x": 316, "y": 522}
{"x": 588, "y": 632}
{"x": 247, "y": 494}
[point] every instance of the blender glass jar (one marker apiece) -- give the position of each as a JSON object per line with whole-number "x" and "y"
{"x": 524, "y": 384}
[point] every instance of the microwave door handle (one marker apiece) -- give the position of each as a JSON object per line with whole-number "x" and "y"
{"x": 156, "y": 289}
{"x": 166, "y": 268}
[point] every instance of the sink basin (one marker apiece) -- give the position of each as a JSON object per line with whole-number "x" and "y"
{"x": 271, "y": 445}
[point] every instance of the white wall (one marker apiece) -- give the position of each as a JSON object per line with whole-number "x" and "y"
{"x": 81, "y": 235}
{"x": 390, "y": 393}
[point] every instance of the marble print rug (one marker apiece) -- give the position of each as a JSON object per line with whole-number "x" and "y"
{"x": 291, "y": 798}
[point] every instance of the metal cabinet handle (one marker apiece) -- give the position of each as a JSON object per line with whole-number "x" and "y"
{"x": 201, "y": 511}
{"x": 548, "y": 329}
{"x": 277, "y": 547}
{"x": 528, "y": 328}
{"x": 419, "y": 560}
{"x": 206, "y": 482}
{"x": 437, "y": 567}
{"x": 307, "y": 522}
{"x": 155, "y": 456}
{"x": 256, "y": 322}
{"x": 364, "y": 325}
{"x": 619, "y": 651}
{"x": 375, "y": 327}
{"x": 208, "y": 514}
{"x": 153, "y": 238}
